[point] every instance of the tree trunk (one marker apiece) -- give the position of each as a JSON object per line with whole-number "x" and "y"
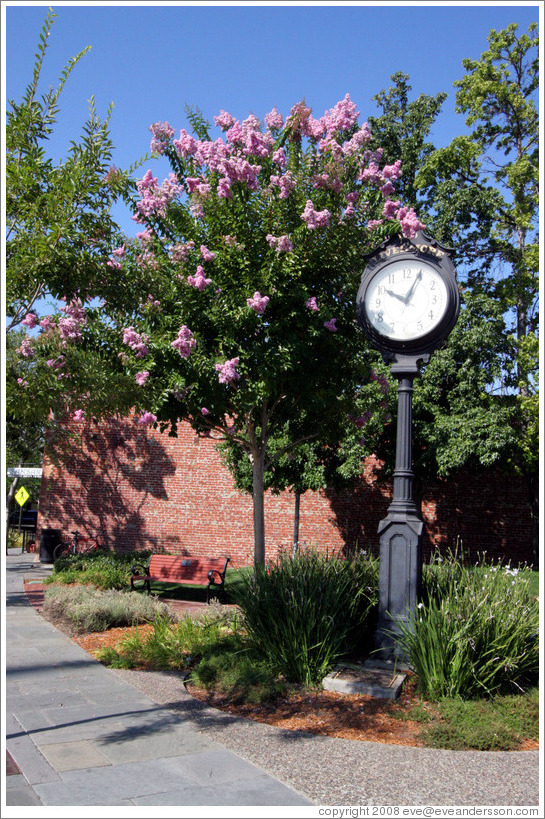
{"x": 296, "y": 522}
{"x": 9, "y": 498}
{"x": 258, "y": 469}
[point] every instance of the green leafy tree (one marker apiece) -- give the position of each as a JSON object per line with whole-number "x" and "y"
{"x": 59, "y": 234}
{"x": 59, "y": 229}
{"x": 243, "y": 280}
{"x": 484, "y": 194}
{"x": 402, "y": 132}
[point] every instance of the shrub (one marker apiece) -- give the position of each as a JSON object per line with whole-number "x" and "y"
{"x": 174, "y": 645}
{"x": 304, "y": 612}
{"x": 87, "y": 608}
{"x": 475, "y": 633}
{"x": 103, "y": 569}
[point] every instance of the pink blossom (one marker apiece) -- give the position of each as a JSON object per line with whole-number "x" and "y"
{"x": 180, "y": 252}
{"x": 185, "y": 342}
{"x": 363, "y": 419}
{"x": 387, "y": 189}
{"x": 371, "y": 174}
{"x": 258, "y": 303}
{"x": 324, "y": 181}
{"x": 79, "y": 415}
{"x": 314, "y": 218}
{"x": 206, "y": 254}
{"x": 282, "y": 244}
{"x": 113, "y": 263}
{"x": 341, "y": 117}
{"x": 22, "y": 382}
{"x": 235, "y": 134}
{"x": 186, "y": 145}
{"x": 141, "y": 378}
{"x": 136, "y": 341}
{"x": 274, "y": 120}
{"x": 312, "y": 304}
{"x": 147, "y": 418}
{"x": 225, "y": 120}
{"x": 30, "y": 320}
{"x": 199, "y": 281}
{"x": 26, "y": 349}
{"x": 392, "y": 171}
{"x": 120, "y": 251}
{"x": 257, "y": 144}
{"x": 285, "y": 245}
{"x": 204, "y": 411}
{"x": 279, "y": 157}
{"x": 47, "y": 323}
{"x": 361, "y": 137}
{"x": 162, "y": 133}
{"x": 390, "y": 208}
{"x": 373, "y": 224}
{"x": 227, "y": 372}
{"x": 191, "y": 183}
{"x": 330, "y": 325}
{"x": 410, "y": 225}
{"x": 56, "y": 362}
{"x": 224, "y": 189}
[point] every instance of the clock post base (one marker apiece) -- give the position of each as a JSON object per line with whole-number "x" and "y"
{"x": 400, "y": 580}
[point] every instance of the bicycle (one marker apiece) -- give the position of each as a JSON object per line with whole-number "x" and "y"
{"x": 80, "y": 544}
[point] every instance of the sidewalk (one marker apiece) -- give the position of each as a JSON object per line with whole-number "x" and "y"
{"x": 79, "y": 735}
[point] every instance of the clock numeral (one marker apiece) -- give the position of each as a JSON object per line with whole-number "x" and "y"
{"x": 407, "y": 273}
{"x": 391, "y": 278}
{"x": 419, "y": 326}
{"x": 434, "y": 300}
{"x": 430, "y": 314}
{"x": 380, "y": 317}
{"x": 378, "y": 302}
{"x": 433, "y": 284}
{"x": 381, "y": 290}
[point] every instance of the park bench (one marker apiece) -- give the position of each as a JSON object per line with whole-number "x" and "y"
{"x": 187, "y": 571}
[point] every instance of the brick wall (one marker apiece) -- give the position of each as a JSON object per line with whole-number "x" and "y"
{"x": 135, "y": 488}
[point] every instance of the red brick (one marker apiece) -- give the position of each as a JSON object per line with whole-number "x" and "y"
{"x": 134, "y": 489}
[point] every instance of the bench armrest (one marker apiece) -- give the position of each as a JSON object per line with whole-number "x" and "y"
{"x": 139, "y": 570}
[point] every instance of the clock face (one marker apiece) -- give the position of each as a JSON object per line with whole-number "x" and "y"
{"x": 406, "y": 300}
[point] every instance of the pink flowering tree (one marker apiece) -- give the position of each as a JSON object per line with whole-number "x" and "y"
{"x": 244, "y": 274}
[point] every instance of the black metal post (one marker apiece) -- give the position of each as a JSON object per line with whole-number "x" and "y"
{"x": 400, "y": 532}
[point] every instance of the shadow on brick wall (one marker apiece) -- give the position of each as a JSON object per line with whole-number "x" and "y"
{"x": 100, "y": 482}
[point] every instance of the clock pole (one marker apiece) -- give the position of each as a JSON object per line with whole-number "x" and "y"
{"x": 400, "y": 532}
{"x": 406, "y": 330}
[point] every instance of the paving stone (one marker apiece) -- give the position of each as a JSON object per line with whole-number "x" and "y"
{"x": 69, "y": 756}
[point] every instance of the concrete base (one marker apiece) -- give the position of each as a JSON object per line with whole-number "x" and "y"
{"x": 371, "y": 678}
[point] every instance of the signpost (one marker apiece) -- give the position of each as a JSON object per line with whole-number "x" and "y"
{"x": 407, "y": 304}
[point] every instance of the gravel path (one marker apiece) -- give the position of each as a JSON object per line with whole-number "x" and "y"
{"x": 334, "y": 771}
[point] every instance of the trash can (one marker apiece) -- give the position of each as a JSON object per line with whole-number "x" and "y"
{"x": 49, "y": 538}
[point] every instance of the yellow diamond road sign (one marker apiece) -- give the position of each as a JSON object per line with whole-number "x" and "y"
{"x": 22, "y": 496}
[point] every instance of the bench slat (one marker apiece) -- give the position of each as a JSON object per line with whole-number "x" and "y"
{"x": 185, "y": 571}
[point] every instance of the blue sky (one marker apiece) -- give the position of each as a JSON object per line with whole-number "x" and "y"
{"x": 152, "y": 59}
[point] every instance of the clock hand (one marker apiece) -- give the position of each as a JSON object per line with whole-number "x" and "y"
{"x": 411, "y": 288}
{"x": 395, "y": 295}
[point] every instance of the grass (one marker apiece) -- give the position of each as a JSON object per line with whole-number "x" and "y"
{"x": 475, "y": 633}
{"x": 88, "y": 609}
{"x": 497, "y": 724}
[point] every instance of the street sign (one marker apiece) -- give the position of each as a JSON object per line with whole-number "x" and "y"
{"x": 22, "y": 496}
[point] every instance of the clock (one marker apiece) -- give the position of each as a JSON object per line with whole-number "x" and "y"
{"x": 408, "y": 299}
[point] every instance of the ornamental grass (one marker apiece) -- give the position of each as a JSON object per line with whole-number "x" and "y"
{"x": 303, "y": 613}
{"x": 475, "y": 633}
